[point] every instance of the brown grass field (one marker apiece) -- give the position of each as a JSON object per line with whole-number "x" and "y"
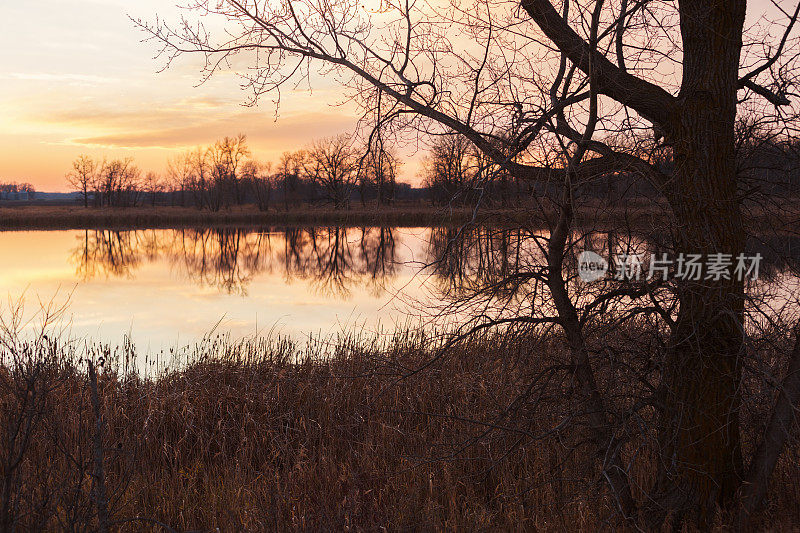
{"x": 404, "y": 214}
{"x": 255, "y": 436}
{"x": 78, "y": 217}
{"x": 636, "y": 213}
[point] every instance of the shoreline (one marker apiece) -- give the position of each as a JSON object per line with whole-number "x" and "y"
{"x": 38, "y": 217}
{"x": 634, "y": 213}
{"x": 65, "y": 217}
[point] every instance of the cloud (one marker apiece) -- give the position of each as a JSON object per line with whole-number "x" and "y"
{"x": 83, "y": 79}
{"x": 296, "y": 130}
{"x": 208, "y": 102}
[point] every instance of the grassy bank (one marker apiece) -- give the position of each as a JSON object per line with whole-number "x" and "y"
{"x": 402, "y": 214}
{"x": 77, "y": 217}
{"x": 257, "y": 436}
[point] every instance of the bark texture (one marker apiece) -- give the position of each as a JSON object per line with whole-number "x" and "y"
{"x": 701, "y": 463}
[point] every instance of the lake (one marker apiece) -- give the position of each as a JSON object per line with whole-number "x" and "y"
{"x": 167, "y": 288}
{"x": 171, "y": 287}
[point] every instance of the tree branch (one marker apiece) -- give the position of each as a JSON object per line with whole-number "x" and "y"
{"x": 775, "y": 436}
{"x": 649, "y": 100}
{"x": 773, "y": 98}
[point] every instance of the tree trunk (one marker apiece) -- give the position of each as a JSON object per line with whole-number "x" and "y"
{"x": 701, "y": 464}
{"x": 608, "y": 448}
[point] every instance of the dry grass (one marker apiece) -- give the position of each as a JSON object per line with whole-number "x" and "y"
{"x": 259, "y": 436}
{"x": 404, "y": 214}
{"x": 636, "y": 212}
{"x": 76, "y": 217}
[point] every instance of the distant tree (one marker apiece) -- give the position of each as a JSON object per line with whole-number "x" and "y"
{"x": 289, "y": 174}
{"x": 378, "y": 169}
{"x": 29, "y": 189}
{"x": 153, "y": 185}
{"x": 200, "y": 181}
{"x": 13, "y": 190}
{"x": 259, "y": 181}
{"x": 226, "y": 157}
{"x": 451, "y": 169}
{"x": 179, "y": 176}
{"x": 119, "y": 183}
{"x": 332, "y": 165}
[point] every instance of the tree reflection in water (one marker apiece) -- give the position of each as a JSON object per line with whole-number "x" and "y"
{"x": 108, "y": 253}
{"x": 331, "y": 259}
{"x": 504, "y": 267}
{"x": 491, "y": 275}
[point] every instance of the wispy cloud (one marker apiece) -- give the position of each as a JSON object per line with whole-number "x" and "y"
{"x": 87, "y": 79}
{"x": 295, "y": 131}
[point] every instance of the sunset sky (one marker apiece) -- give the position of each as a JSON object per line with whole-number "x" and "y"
{"x": 75, "y": 78}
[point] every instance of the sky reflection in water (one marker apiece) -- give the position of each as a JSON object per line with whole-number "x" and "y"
{"x": 171, "y": 287}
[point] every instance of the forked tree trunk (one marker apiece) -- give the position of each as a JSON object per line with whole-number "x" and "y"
{"x": 701, "y": 462}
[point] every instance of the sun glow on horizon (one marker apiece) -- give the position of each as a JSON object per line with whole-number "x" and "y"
{"x": 80, "y": 81}
{"x": 76, "y": 79}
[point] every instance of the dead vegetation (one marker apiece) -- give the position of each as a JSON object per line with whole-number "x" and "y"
{"x": 337, "y": 435}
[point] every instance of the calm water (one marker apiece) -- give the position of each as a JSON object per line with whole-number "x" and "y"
{"x": 169, "y": 288}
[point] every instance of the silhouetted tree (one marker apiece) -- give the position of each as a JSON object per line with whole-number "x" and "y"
{"x": 331, "y": 164}
{"x": 679, "y": 70}
{"x": 226, "y": 157}
{"x": 82, "y": 177}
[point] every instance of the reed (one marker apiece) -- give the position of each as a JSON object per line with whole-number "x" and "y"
{"x": 402, "y": 214}
{"x": 336, "y": 434}
{"x": 75, "y": 217}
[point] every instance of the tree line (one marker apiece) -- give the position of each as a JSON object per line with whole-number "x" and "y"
{"x": 17, "y": 191}
{"x": 224, "y": 174}
{"x": 330, "y": 170}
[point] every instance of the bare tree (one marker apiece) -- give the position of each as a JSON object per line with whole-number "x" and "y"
{"x": 680, "y": 70}
{"x": 226, "y": 157}
{"x": 451, "y": 170}
{"x": 289, "y": 173}
{"x": 384, "y": 165}
{"x": 259, "y": 182}
{"x": 332, "y": 164}
{"x": 118, "y": 184}
{"x": 200, "y": 181}
{"x": 179, "y": 176}
{"x": 153, "y": 186}
{"x": 82, "y": 177}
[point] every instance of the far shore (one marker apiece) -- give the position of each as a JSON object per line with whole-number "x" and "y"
{"x": 409, "y": 214}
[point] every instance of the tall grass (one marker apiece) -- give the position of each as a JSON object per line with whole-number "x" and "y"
{"x": 404, "y": 214}
{"x": 263, "y": 434}
{"x": 75, "y": 217}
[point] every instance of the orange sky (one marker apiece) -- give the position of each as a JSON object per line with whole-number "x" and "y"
{"x": 75, "y": 78}
{"x": 78, "y": 80}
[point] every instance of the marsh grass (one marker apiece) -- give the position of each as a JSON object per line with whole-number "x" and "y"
{"x": 401, "y": 214}
{"x": 77, "y": 217}
{"x": 333, "y": 435}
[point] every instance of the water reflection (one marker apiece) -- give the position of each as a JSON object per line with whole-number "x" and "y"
{"x": 108, "y": 253}
{"x": 494, "y": 274}
{"x": 332, "y": 259}
{"x": 164, "y": 284}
